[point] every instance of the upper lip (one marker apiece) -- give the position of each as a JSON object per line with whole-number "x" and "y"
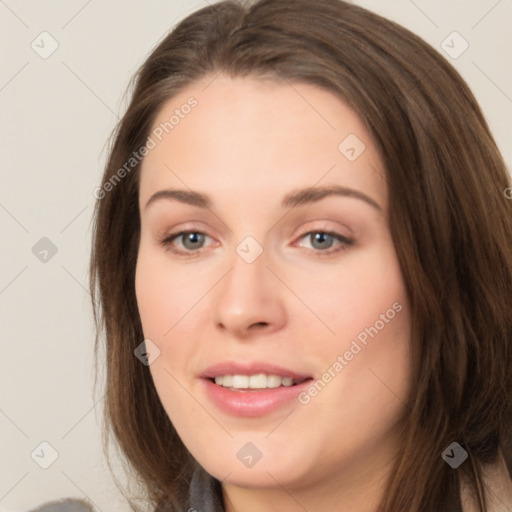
{"x": 250, "y": 368}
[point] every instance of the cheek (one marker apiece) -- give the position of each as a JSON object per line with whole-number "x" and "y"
{"x": 163, "y": 296}
{"x": 369, "y": 312}
{"x": 172, "y": 306}
{"x": 354, "y": 297}
{"x": 163, "y": 300}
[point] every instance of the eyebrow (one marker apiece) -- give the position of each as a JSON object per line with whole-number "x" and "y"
{"x": 295, "y": 198}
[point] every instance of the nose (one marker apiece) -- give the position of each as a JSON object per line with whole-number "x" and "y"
{"x": 248, "y": 302}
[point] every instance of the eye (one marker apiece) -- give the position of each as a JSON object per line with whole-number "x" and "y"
{"x": 324, "y": 239}
{"x": 192, "y": 240}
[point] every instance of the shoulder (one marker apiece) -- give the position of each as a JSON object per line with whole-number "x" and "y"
{"x": 66, "y": 505}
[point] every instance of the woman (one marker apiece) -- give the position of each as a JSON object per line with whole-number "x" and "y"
{"x": 257, "y": 368}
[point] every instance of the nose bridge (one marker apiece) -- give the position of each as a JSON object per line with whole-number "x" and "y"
{"x": 248, "y": 277}
{"x": 248, "y": 294}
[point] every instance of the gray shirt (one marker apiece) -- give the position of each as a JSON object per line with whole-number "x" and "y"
{"x": 205, "y": 493}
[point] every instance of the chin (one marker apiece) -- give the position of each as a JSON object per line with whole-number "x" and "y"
{"x": 256, "y": 465}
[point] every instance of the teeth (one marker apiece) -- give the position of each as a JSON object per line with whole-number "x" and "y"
{"x": 273, "y": 381}
{"x": 240, "y": 381}
{"x": 259, "y": 381}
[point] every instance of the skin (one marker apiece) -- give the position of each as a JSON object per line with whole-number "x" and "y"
{"x": 247, "y": 144}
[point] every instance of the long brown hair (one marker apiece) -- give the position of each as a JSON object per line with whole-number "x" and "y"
{"x": 449, "y": 216}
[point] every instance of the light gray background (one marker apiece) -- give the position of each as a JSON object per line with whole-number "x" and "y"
{"x": 56, "y": 116}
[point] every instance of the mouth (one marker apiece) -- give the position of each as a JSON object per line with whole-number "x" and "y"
{"x": 252, "y": 389}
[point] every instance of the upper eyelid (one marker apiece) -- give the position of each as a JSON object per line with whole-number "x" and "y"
{"x": 314, "y": 229}
{"x": 187, "y": 228}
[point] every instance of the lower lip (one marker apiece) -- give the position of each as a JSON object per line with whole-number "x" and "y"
{"x": 252, "y": 403}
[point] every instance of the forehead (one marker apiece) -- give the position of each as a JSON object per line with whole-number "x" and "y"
{"x": 250, "y": 136}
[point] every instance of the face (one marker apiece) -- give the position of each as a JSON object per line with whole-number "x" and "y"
{"x": 281, "y": 316}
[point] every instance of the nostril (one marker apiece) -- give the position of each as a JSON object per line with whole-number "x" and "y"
{"x": 264, "y": 324}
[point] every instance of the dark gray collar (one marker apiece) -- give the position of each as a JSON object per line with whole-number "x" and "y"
{"x": 205, "y": 492}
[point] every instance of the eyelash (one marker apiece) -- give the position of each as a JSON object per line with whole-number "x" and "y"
{"x": 345, "y": 242}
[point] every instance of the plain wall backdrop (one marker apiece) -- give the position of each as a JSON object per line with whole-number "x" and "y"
{"x": 57, "y": 111}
